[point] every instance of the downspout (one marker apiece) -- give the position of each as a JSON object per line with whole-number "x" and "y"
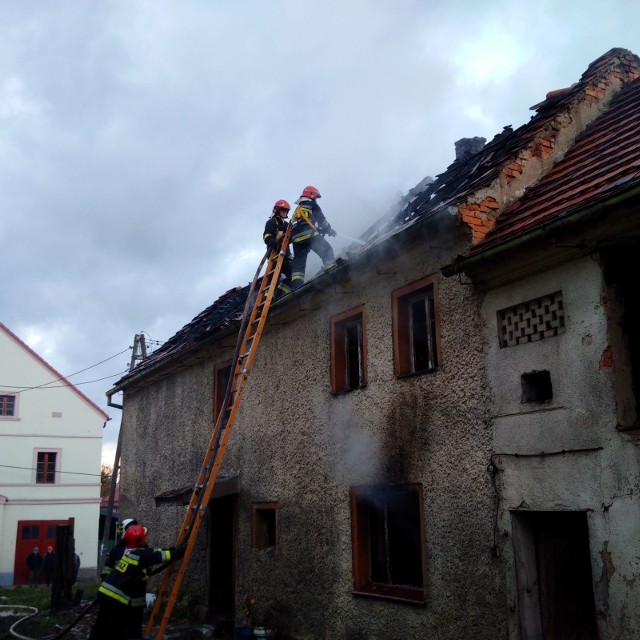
{"x": 462, "y": 263}
{"x": 112, "y": 492}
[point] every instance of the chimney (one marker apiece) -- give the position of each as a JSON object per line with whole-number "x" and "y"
{"x": 467, "y": 147}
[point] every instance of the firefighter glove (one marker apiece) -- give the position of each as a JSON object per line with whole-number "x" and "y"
{"x": 331, "y": 232}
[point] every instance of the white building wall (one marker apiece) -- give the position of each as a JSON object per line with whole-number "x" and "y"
{"x": 59, "y": 419}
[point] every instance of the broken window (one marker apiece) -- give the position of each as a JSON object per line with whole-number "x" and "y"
{"x": 348, "y": 351}
{"x": 623, "y": 309}
{"x": 221, "y": 379}
{"x": 415, "y": 327}
{"x": 7, "y": 406}
{"x": 265, "y": 525}
{"x": 387, "y": 524}
{"x": 46, "y": 467}
{"x": 536, "y": 387}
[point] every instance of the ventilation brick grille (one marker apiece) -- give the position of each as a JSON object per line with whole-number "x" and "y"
{"x": 532, "y": 320}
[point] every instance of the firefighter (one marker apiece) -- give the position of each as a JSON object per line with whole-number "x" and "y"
{"x": 116, "y": 553}
{"x": 122, "y": 594}
{"x": 274, "y": 230}
{"x": 307, "y": 234}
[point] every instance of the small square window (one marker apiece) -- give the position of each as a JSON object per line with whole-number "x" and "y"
{"x": 7, "y": 406}
{"x": 46, "y": 467}
{"x": 348, "y": 351}
{"x": 536, "y": 387}
{"x": 265, "y": 525}
{"x": 415, "y": 328}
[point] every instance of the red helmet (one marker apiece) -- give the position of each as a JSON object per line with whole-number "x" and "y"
{"x": 135, "y": 537}
{"x": 281, "y": 204}
{"x": 311, "y": 192}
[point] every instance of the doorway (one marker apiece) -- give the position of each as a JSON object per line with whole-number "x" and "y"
{"x": 222, "y": 556}
{"x": 33, "y": 533}
{"x": 553, "y": 575}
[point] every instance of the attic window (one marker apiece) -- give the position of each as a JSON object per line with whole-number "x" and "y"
{"x": 265, "y": 525}
{"x": 536, "y": 387}
{"x": 415, "y": 327}
{"x": 348, "y": 351}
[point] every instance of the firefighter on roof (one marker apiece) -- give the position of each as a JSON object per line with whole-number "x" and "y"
{"x": 274, "y": 230}
{"x": 122, "y": 594}
{"x": 307, "y": 234}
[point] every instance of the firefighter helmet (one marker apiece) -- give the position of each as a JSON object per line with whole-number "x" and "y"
{"x": 135, "y": 537}
{"x": 281, "y": 204}
{"x": 127, "y": 522}
{"x": 311, "y": 192}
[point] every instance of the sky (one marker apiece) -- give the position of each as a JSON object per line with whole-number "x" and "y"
{"x": 143, "y": 144}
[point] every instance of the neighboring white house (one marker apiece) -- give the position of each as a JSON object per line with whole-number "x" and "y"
{"x": 50, "y": 454}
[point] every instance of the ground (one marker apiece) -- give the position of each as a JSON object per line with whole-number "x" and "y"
{"x": 45, "y": 624}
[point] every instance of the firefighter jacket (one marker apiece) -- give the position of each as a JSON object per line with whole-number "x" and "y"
{"x": 112, "y": 558}
{"x": 308, "y": 221}
{"x": 274, "y": 230}
{"x": 127, "y": 583}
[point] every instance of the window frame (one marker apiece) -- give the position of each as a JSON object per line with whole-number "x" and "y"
{"x": 16, "y": 403}
{"x": 56, "y": 471}
{"x": 363, "y": 584}
{"x": 218, "y": 391}
{"x": 339, "y": 324}
{"x": 260, "y": 540}
{"x": 403, "y": 352}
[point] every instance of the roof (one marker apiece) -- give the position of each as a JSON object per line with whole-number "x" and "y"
{"x": 604, "y": 161}
{"x": 58, "y": 377}
{"x": 607, "y": 155}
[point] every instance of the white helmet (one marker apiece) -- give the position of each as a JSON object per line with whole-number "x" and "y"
{"x": 127, "y": 522}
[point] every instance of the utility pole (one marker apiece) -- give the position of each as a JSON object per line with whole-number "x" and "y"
{"x": 139, "y": 350}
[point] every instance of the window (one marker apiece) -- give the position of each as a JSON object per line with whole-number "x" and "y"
{"x": 387, "y": 524}
{"x": 8, "y": 406}
{"x": 536, "y": 387}
{"x": 46, "y": 467}
{"x": 348, "y": 351}
{"x": 265, "y": 525}
{"x": 221, "y": 379}
{"x": 415, "y": 327}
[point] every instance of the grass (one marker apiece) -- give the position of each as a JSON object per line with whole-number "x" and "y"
{"x": 46, "y": 622}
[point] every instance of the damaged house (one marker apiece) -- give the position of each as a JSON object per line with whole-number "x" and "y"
{"x": 431, "y": 446}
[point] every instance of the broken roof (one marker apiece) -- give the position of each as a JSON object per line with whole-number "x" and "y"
{"x": 605, "y": 158}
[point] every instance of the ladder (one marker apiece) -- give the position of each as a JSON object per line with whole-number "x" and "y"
{"x": 252, "y": 325}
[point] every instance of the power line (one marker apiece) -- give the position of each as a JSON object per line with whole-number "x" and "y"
{"x": 44, "y": 387}
{"x": 72, "y": 473}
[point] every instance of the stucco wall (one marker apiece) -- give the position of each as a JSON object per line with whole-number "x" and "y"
{"x": 581, "y": 415}
{"x": 298, "y": 445}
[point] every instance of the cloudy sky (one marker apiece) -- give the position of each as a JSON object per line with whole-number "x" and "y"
{"x": 143, "y": 143}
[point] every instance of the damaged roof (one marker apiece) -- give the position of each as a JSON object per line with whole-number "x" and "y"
{"x": 603, "y": 161}
{"x": 605, "y": 158}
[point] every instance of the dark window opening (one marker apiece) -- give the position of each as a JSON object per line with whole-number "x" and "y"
{"x": 30, "y": 532}
{"x": 265, "y": 525}
{"x": 221, "y": 379}
{"x": 7, "y": 405}
{"x": 348, "y": 351}
{"x": 623, "y": 306}
{"x": 536, "y": 387}
{"x": 415, "y": 328}
{"x": 388, "y": 541}
{"x": 46, "y": 467}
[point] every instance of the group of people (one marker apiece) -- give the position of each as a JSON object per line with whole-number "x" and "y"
{"x": 308, "y": 230}
{"x": 43, "y": 564}
{"x": 122, "y": 594}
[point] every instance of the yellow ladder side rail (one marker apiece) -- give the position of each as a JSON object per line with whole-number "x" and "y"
{"x": 246, "y": 349}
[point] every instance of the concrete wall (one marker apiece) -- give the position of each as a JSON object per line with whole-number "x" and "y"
{"x": 298, "y": 445}
{"x": 581, "y": 415}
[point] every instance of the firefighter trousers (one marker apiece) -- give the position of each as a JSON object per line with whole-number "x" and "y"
{"x": 301, "y": 249}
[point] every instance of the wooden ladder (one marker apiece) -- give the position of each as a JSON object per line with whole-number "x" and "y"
{"x": 252, "y": 325}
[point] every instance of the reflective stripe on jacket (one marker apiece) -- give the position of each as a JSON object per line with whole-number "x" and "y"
{"x": 127, "y": 582}
{"x": 307, "y": 220}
